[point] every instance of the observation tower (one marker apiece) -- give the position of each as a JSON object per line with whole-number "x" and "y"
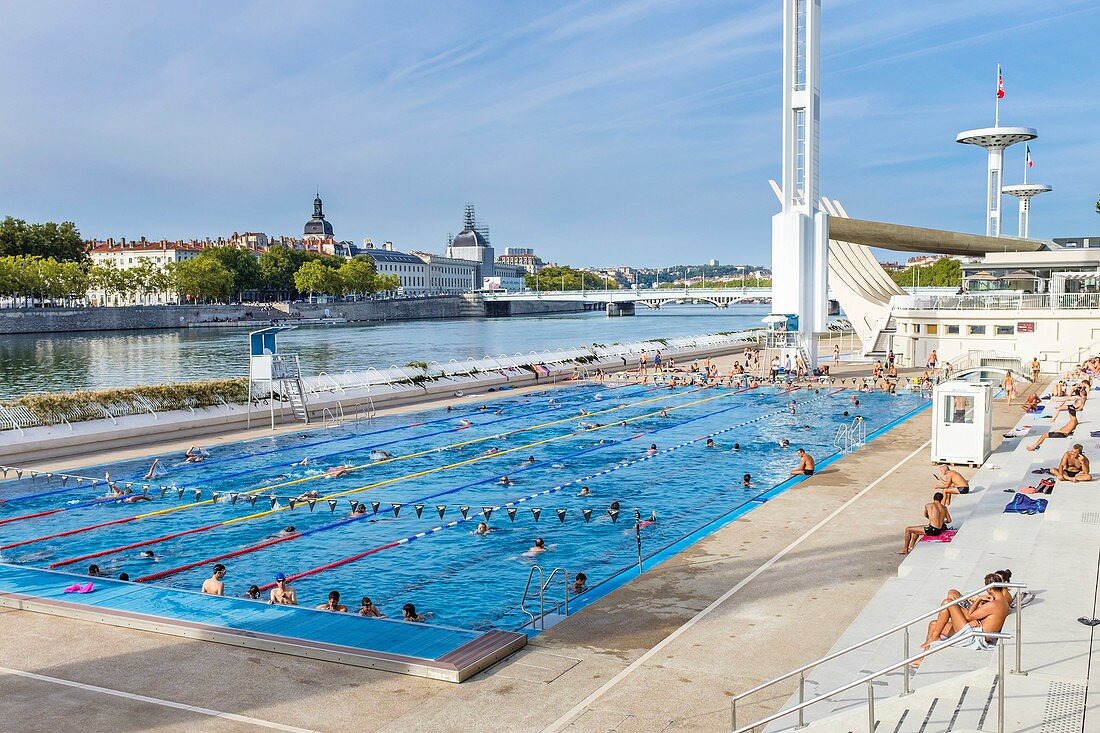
{"x": 1025, "y": 192}
{"x": 995, "y": 140}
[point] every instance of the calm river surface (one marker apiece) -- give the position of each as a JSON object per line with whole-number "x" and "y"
{"x": 99, "y": 359}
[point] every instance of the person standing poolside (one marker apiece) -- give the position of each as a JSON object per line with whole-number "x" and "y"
{"x": 933, "y": 359}
{"x": 836, "y": 354}
{"x": 805, "y": 464}
{"x": 333, "y": 603}
{"x": 1036, "y": 368}
{"x": 951, "y": 482}
{"x": 1008, "y": 384}
{"x": 657, "y": 363}
{"x": 1074, "y": 466}
{"x": 283, "y": 594}
{"x": 642, "y": 363}
{"x": 938, "y": 518}
{"x": 213, "y": 585}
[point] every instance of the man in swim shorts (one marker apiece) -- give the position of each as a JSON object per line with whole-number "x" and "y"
{"x": 1074, "y": 466}
{"x": 805, "y": 464}
{"x": 951, "y": 482}
{"x": 283, "y": 594}
{"x": 1063, "y": 432}
{"x": 938, "y": 518}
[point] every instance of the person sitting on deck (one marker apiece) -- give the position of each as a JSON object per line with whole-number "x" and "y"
{"x": 1032, "y": 404}
{"x": 938, "y": 518}
{"x": 214, "y": 585}
{"x": 1074, "y": 466}
{"x": 985, "y": 612}
{"x": 283, "y": 594}
{"x": 369, "y": 609}
{"x": 1063, "y": 432}
{"x": 805, "y": 464}
{"x": 951, "y": 483}
{"x": 333, "y": 603}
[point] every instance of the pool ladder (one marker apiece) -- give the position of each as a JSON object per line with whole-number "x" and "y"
{"x": 850, "y": 437}
{"x": 541, "y": 586}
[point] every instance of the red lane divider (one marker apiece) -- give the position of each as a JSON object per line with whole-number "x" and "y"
{"x": 225, "y": 556}
{"x": 334, "y": 564}
{"x": 131, "y": 546}
{"x": 66, "y": 533}
{"x": 30, "y": 516}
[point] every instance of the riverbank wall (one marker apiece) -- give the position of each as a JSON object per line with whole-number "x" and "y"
{"x": 131, "y": 318}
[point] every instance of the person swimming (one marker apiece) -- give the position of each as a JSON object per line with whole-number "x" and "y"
{"x": 148, "y": 555}
{"x": 530, "y": 461}
{"x": 505, "y": 481}
{"x": 194, "y": 454}
{"x": 491, "y": 450}
{"x": 287, "y": 530}
{"x": 711, "y": 443}
{"x": 652, "y": 450}
{"x": 784, "y": 443}
{"x": 584, "y": 491}
{"x": 359, "y": 509}
{"x": 736, "y": 447}
{"x": 664, "y": 413}
{"x": 792, "y": 406}
{"x": 304, "y": 462}
{"x": 482, "y": 529}
{"x": 464, "y": 423}
{"x": 152, "y": 472}
{"x": 539, "y": 546}
{"x": 306, "y": 496}
{"x": 337, "y": 471}
{"x": 746, "y": 480}
{"x": 380, "y": 455}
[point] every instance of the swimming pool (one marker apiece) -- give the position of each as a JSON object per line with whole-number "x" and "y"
{"x": 441, "y": 464}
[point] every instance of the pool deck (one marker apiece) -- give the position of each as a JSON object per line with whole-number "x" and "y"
{"x": 663, "y": 652}
{"x": 422, "y": 650}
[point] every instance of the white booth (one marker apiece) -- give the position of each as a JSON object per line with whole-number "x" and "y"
{"x": 962, "y": 423}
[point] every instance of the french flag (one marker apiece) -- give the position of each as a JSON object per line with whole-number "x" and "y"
{"x": 1027, "y": 157}
{"x": 1000, "y": 83}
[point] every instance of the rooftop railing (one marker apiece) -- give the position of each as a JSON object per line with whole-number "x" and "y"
{"x": 998, "y": 302}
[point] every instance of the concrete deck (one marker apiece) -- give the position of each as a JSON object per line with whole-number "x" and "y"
{"x": 665, "y": 652}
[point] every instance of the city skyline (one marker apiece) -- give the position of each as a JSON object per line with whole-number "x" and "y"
{"x": 636, "y": 132}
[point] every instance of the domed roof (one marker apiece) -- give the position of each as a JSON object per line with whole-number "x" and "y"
{"x": 317, "y": 226}
{"x": 470, "y": 238}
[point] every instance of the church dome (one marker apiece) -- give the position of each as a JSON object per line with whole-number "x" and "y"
{"x": 470, "y": 238}
{"x": 318, "y": 226}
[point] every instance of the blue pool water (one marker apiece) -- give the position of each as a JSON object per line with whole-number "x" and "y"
{"x": 462, "y": 579}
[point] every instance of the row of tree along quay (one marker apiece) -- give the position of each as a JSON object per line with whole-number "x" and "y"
{"x": 46, "y": 264}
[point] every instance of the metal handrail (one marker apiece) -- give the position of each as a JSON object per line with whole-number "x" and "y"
{"x": 868, "y": 679}
{"x": 565, "y": 576}
{"x": 801, "y": 671}
{"x": 527, "y": 587}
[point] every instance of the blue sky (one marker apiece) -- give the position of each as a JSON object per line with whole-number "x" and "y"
{"x": 629, "y": 132}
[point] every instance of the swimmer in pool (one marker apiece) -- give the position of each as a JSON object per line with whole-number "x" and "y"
{"x": 132, "y": 498}
{"x": 711, "y": 443}
{"x": 148, "y": 555}
{"x": 539, "y": 546}
{"x": 784, "y": 443}
{"x": 194, "y": 454}
{"x": 491, "y": 450}
{"x": 313, "y": 494}
{"x": 792, "y": 406}
{"x": 652, "y": 450}
{"x": 152, "y": 472}
{"x": 736, "y": 447}
{"x": 642, "y": 524}
{"x": 450, "y": 409}
{"x": 746, "y": 480}
{"x": 287, "y": 530}
{"x": 530, "y": 461}
{"x": 304, "y": 462}
{"x": 337, "y": 471}
{"x": 380, "y": 455}
{"x": 584, "y": 491}
{"x": 505, "y": 481}
{"x": 359, "y": 509}
{"x": 482, "y": 529}
{"x": 664, "y": 413}
{"x": 464, "y": 424}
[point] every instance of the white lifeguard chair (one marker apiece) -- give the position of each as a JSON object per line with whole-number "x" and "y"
{"x": 278, "y": 373}
{"x": 962, "y": 423}
{"x": 781, "y": 339}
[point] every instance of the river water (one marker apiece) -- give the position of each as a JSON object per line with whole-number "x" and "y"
{"x": 100, "y": 359}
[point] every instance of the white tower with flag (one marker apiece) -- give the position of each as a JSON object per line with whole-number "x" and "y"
{"x": 1025, "y": 192}
{"x": 800, "y": 232}
{"x": 995, "y": 140}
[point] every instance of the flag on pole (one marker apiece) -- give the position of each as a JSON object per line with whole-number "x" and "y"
{"x": 1027, "y": 157}
{"x": 1000, "y": 83}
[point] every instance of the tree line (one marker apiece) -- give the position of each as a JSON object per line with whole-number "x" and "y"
{"x": 562, "y": 277}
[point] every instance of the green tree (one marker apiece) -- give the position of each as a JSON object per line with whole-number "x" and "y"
{"x": 562, "y": 277}
{"x": 358, "y": 275}
{"x": 247, "y": 274}
{"x": 944, "y": 272}
{"x": 277, "y": 268}
{"x": 203, "y": 279}
{"x": 62, "y": 241}
{"x": 316, "y": 277}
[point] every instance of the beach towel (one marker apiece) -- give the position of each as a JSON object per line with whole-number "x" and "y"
{"x": 1024, "y": 504}
{"x": 945, "y": 536}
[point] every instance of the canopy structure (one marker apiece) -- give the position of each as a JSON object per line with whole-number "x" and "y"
{"x": 905, "y": 238}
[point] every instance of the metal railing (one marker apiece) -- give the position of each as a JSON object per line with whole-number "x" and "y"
{"x": 903, "y": 627}
{"x": 968, "y": 635}
{"x": 998, "y": 301}
{"x": 541, "y": 586}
